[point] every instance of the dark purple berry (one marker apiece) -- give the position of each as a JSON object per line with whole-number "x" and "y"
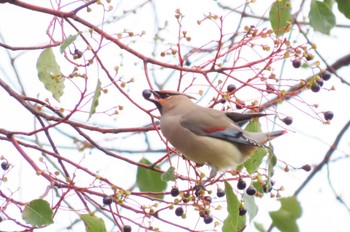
{"x": 309, "y": 56}
{"x": 186, "y": 197}
{"x": 267, "y": 188}
{"x": 241, "y": 184}
{"x": 187, "y": 62}
{"x": 222, "y": 100}
{"x": 199, "y": 191}
{"x": 5, "y": 165}
{"x": 287, "y": 120}
{"x": 306, "y": 167}
{"x": 315, "y": 87}
{"x": 174, "y": 191}
{"x": 146, "y": 94}
{"x": 127, "y": 228}
{"x": 240, "y": 104}
{"x": 296, "y": 63}
{"x": 328, "y": 115}
{"x": 326, "y": 75}
{"x": 251, "y": 191}
{"x": 208, "y": 199}
{"x": 319, "y": 82}
{"x": 208, "y": 219}
{"x": 220, "y": 193}
{"x": 231, "y": 88}
{"x": 107, "y": 200}
{"x": 242, "y": 211}
{"x": 179, "y": 211}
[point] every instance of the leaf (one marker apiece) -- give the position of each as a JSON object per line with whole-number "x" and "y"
{"x": 149, "y": 181}
{"x": 250, "y": 206}
{"x": 253, "y": 126}
{"x": 38, "y": 213}
{"x": 94, "y": 102}
{"x": 281, "y": 16}
{"x": 343, "y": 7}
{"x": 233, "y": 222}
{"x": 321, "y": 17}
{"x": 253, "y": 163}
{"x": 50, "y": 74}
{"x": 285, "y": 218}
{"x": 259, "y": 227}
{"x": 168, "y": 175}
{"x": 271, "y": 163}
{"x": 93, "y": 223}
{"x": 70, "y": 39}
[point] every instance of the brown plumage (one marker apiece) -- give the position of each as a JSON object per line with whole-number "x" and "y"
{"x": 206, "y": 135}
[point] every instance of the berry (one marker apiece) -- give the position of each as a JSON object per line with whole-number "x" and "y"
{"x": 240, "y": 104}
{"x": 187, "y": 62}
{"x": 220, "y": 193}
{"x": 146, "y": 93}
{"x": 179, "y": 211}
{"x": 107, "y": 200}
{"x": 208, "y": 219}
{"x": 309, "y": 56}
{"x": 231, "y": 88}
{"x": 242, "y": 211}
{"x": 251, "y": 191}
{"x": 287, "y": 120}
{"x": 296, "y": 63}
{"x": 315, "y": 87}
{"x": 208, "y": 199}
{"x": 319, "y": 82}
{"x": 174, "y": 191}
{"x": 267, "y": 188}
{"x": 186, "y": 197}
{"x": 306, "y": 167}
{"x": 326, "y": 75}
{"x": 127, "y": 228}
{"x": 222, "y": 100}
{"x": 241, "y": 184}
{"x": 5, "y": 165}
{"x": 328, "y": 115}
{"x": 199, "y": 191}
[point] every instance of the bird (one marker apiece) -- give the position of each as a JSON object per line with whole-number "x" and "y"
{"x": 206, "y": 135}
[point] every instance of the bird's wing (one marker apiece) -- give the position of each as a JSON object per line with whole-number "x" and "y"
{"x": 216, "y": 126}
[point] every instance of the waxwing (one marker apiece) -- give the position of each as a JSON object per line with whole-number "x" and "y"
{"x": 205, "y": 135}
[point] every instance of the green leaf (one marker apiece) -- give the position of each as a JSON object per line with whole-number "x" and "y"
{"x": 329, "y": 3}
{"x": 94, "y": 102}
{"x": 253, "y": 126}
{"x": 93, "y": 223}
{"x": 259, "y": 227}
{"x": 281, "y": 16}
{"x": 250, "y": 206}
{"x": 38, "y": 213}
{"x": 343, "y": 7}
{"x": 253, "y": 163}
{"x": 233, "y": 222}
{"x": 271, "y": 163}
{"x": 150, "y": 181}
{"x": 285, "y": 218}
{"x": 50, "y": 74}
{"x": 321, "y": 17}
{"x": 68, "y": 41}
{"x": 168, "y": 175}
